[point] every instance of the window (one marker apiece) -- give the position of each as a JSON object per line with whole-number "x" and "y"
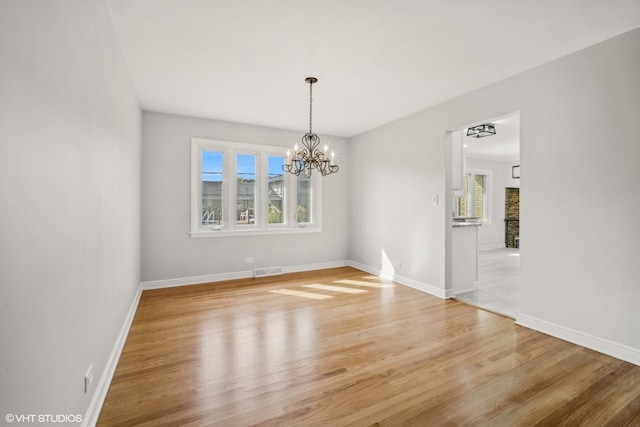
{"x": 211, "y": 192}
{"x": 474, "y": 201}
{"x": 240, "y": 189}
{"x": 275, "y": 191}
{"x": 245, "y": 188}
{"x": 303, "y": 206}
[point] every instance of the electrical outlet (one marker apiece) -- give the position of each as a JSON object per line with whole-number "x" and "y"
{"x": 434, "y": 200}
{"x": 88, "y": 378}
{"x": 248, "y": 260}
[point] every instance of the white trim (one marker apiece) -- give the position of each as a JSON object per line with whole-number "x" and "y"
{"x": 209, "y": 278}
{"x": 366, "y": 268}
{"x": 415, "y": 284}
{"x": 424, "y": 287}
{"x": 195, "y": 280}
{"x": 619, "y": 351}
{"x": 311, "y": 267}
{"x": 214, "y": 232}
{"x": 100, "y": 393}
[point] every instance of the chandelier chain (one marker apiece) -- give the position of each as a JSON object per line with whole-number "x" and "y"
{"x": 310, "y": 105}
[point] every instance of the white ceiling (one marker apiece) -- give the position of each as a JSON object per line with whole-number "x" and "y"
{"x": 376, "y": 60}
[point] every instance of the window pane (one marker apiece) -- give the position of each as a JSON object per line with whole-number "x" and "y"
{"x": 463, "y": 202}
{"x": 303, "y": 210}
{"x": 275, "y": 189}
{"x": 212, "y": 197}
{"x": 479, "y": 197}
{"x": 246, "y": 188}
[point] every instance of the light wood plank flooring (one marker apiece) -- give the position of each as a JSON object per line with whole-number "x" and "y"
{"x": 340, "y": 347}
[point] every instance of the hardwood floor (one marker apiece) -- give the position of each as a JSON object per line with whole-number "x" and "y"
{"x": 341, "y": 347}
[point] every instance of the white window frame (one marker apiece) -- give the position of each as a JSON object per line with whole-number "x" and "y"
{"x": 229, "y": 226}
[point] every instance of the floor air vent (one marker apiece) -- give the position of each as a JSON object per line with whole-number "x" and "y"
{"x": 267, "y": 271}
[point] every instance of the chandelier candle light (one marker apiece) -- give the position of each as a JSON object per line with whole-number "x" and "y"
{"x": 310, "y": 156}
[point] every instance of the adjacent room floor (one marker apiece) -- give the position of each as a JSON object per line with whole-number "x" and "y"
{"x": 497, "y": 287}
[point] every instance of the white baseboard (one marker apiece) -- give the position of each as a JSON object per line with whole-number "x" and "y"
{"x": 424, "y": 287}
{"x": 619, "y": 351}
{"x": 97, "y": 400}
{"x": 421, "y": 286}
{"x": 195, "y": 280}
{"x": 311, "y": 267}
{"x": 364, "y": 268}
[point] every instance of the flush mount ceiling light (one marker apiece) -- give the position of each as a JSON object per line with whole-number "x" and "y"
{"x": 310, "y": 156}
{"x": 480, "y": 131}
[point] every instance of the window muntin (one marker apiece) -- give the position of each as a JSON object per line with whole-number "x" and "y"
{"x": 240, "y": 189}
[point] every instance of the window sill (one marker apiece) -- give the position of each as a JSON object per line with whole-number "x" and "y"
{"x": 213, "y": 233}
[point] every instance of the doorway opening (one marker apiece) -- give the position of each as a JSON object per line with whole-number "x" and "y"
{"x": 490, "y": 179}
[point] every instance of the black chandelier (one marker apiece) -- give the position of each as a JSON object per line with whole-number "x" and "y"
{"x": 480, "y": 131}
{"x": 310, "y": 156}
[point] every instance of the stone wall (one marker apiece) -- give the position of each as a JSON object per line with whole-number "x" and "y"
{"x": 512, "y": 216}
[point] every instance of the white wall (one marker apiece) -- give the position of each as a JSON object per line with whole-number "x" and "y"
{"x": 395, "y": 171}
{"x": 170, "y": 254}
{"x": 69, "y": 202}
{"x": 579, "y": 240}
{"x": 507, "y": 175}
